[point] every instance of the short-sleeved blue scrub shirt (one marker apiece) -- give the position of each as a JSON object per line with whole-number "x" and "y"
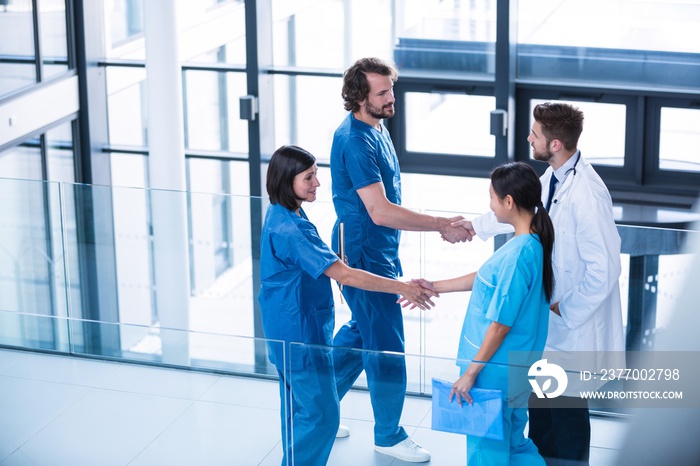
{"x": 508, "y": 289}
{"x": 296, "y": 299}
{"x": 361, "y": 155}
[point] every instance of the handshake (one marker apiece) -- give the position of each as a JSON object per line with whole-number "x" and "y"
{"x": 456, "y": 229}
{"x": 419, "y": 292}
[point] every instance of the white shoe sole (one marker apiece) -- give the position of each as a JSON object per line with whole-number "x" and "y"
{"x": 409, "y": 459}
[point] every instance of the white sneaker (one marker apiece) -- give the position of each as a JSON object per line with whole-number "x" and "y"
{"x": 343, "y": 431}
{"x": 408, "y": 451}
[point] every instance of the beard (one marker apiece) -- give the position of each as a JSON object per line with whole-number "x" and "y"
{"x": 542, "y": 156}
{"x": 380, "y": 112}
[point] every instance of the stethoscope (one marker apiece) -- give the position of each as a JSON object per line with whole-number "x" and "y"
{"x": 556, "y": 199}
{"x": 574, "y": 167}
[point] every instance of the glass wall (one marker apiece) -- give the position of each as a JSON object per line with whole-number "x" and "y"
{"x": 41, "y": 274}
{"x": 637, "y": 84}
{"x": 17, "y": 48}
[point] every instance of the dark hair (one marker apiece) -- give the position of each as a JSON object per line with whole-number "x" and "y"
{"x": 286, "y": 163}
{"x": 560, "y": 121}
{"x": 522, "y": 183}
{"x": 355, "y": 84}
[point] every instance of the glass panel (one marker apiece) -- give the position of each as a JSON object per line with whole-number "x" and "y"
{"x": 125, "y": 25}
{"x": 602, "y": 141}
{"x": 14, "y": 76}
{"x": 679, "y": 139}
{"x": 431, "y": 421}
{"x": 32, "y": 273}
{"x": 618, "y": 41}
{"x": 22, "y": 161}
{"x": 128, "y": 249}
{"x": 154, "y": 415}
{"x": 293, "y": 122}
{"x": 297, "y": 27}
{"x": 52, "y": 22}
{"x": 16, "y": 46}
{"x": 216, "y": 32}
{"x": 59, "y": 153}
{"x": 417, "y": 34}
{"x": 134, "y": 257}
{"x": 129, "y": 170}
{"x": 126, "y": 94}
{"x": 455, "y": 124}
{"x": 446, "y": 36}
{"x": 152, "y": 344}
{"x": 213, "y": 113}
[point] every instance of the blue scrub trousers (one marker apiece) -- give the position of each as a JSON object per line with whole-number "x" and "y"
{"x": 310, "y": 413}
{"x": 515, "y": 449}
{"x": 377, "y": 325}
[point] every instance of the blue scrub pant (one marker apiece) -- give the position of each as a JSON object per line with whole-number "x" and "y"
{"x": 310, "y": 414}
{"x": 515, "y": 449}
{"x": 377, "y": 325}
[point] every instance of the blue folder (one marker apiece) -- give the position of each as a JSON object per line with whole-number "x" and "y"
{"x": 483, "y": 418}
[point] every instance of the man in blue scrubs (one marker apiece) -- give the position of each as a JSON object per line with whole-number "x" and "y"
{"x": 367, "y": 199}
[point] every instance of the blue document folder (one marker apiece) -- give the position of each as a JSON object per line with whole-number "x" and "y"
{"x": 483, "y": 418}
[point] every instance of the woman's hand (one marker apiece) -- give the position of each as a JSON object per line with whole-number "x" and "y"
{"x": 461, "y": 388}
{"x": 417, "y": 295}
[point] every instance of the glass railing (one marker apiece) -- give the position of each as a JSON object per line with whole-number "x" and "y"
{"x": 167, "y": 263}
{"x": 199, "y": 389}
{"x": 437, "y": 423}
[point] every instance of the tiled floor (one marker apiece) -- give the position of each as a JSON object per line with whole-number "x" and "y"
{"x": 57, "y": 411}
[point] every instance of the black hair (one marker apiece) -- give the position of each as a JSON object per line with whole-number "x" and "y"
{"x": 560, "y": 121}
{"x": 286, "y": 163}
{"x": 355, "y": 83}
{"x": 522, "y": 183}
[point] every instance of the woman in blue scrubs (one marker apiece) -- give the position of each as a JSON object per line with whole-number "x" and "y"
{"x": 296, "y": 303}
{"x": 508, "y": 311}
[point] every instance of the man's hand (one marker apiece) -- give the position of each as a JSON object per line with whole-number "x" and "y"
{"x": 457, "y": 230}
{"x": 417, "y": 295}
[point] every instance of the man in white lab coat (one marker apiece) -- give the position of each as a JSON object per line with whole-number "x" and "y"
{"x": 586, "y": 314}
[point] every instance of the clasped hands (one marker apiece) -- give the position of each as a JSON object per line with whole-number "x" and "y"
{"x": 418, "y": 294}
{"x": 457, "y": 230}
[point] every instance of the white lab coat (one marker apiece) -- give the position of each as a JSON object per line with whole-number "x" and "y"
{"x": 586, "y": 262}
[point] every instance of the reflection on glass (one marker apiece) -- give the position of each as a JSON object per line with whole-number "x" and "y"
{"x": 455, "y": 124}
{"x": 296, "y": 124}
{"x": 449, "y": 36}
{"x": 603, "y": 139}
{"x": 424, "y": 34}
{"x": 59, "y": 153}
{"x": 212, "y": 120}
{"x": 52, "y": 23}
{"x": 16, "y": 45}
{"x": 679, "y": 139}
{"x": 32, "y": 273}
{"x": 220, "y": 32}
{"x": 614, "y": 24}
{"x": 126, "y": 93}
{"x": 22, "y": 161}
{"x": 125, "y": 21}
{"x": 618, "y": 41}
{"x": 43, "y": 234}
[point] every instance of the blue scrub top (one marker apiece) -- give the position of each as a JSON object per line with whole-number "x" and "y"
{"x": 508, "y": 289}
{"x": 361, "y": 155}
{"x": 296, "y": 299}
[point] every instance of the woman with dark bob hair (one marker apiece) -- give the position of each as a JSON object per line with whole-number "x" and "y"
{"x": 296, "y": 302}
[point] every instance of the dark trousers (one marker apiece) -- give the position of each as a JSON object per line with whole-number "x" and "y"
{"x": 561, "y": 429}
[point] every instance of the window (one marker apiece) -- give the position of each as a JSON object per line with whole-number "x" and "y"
{"x": 679, "y": 146}
{"x": 603, "y": 137}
